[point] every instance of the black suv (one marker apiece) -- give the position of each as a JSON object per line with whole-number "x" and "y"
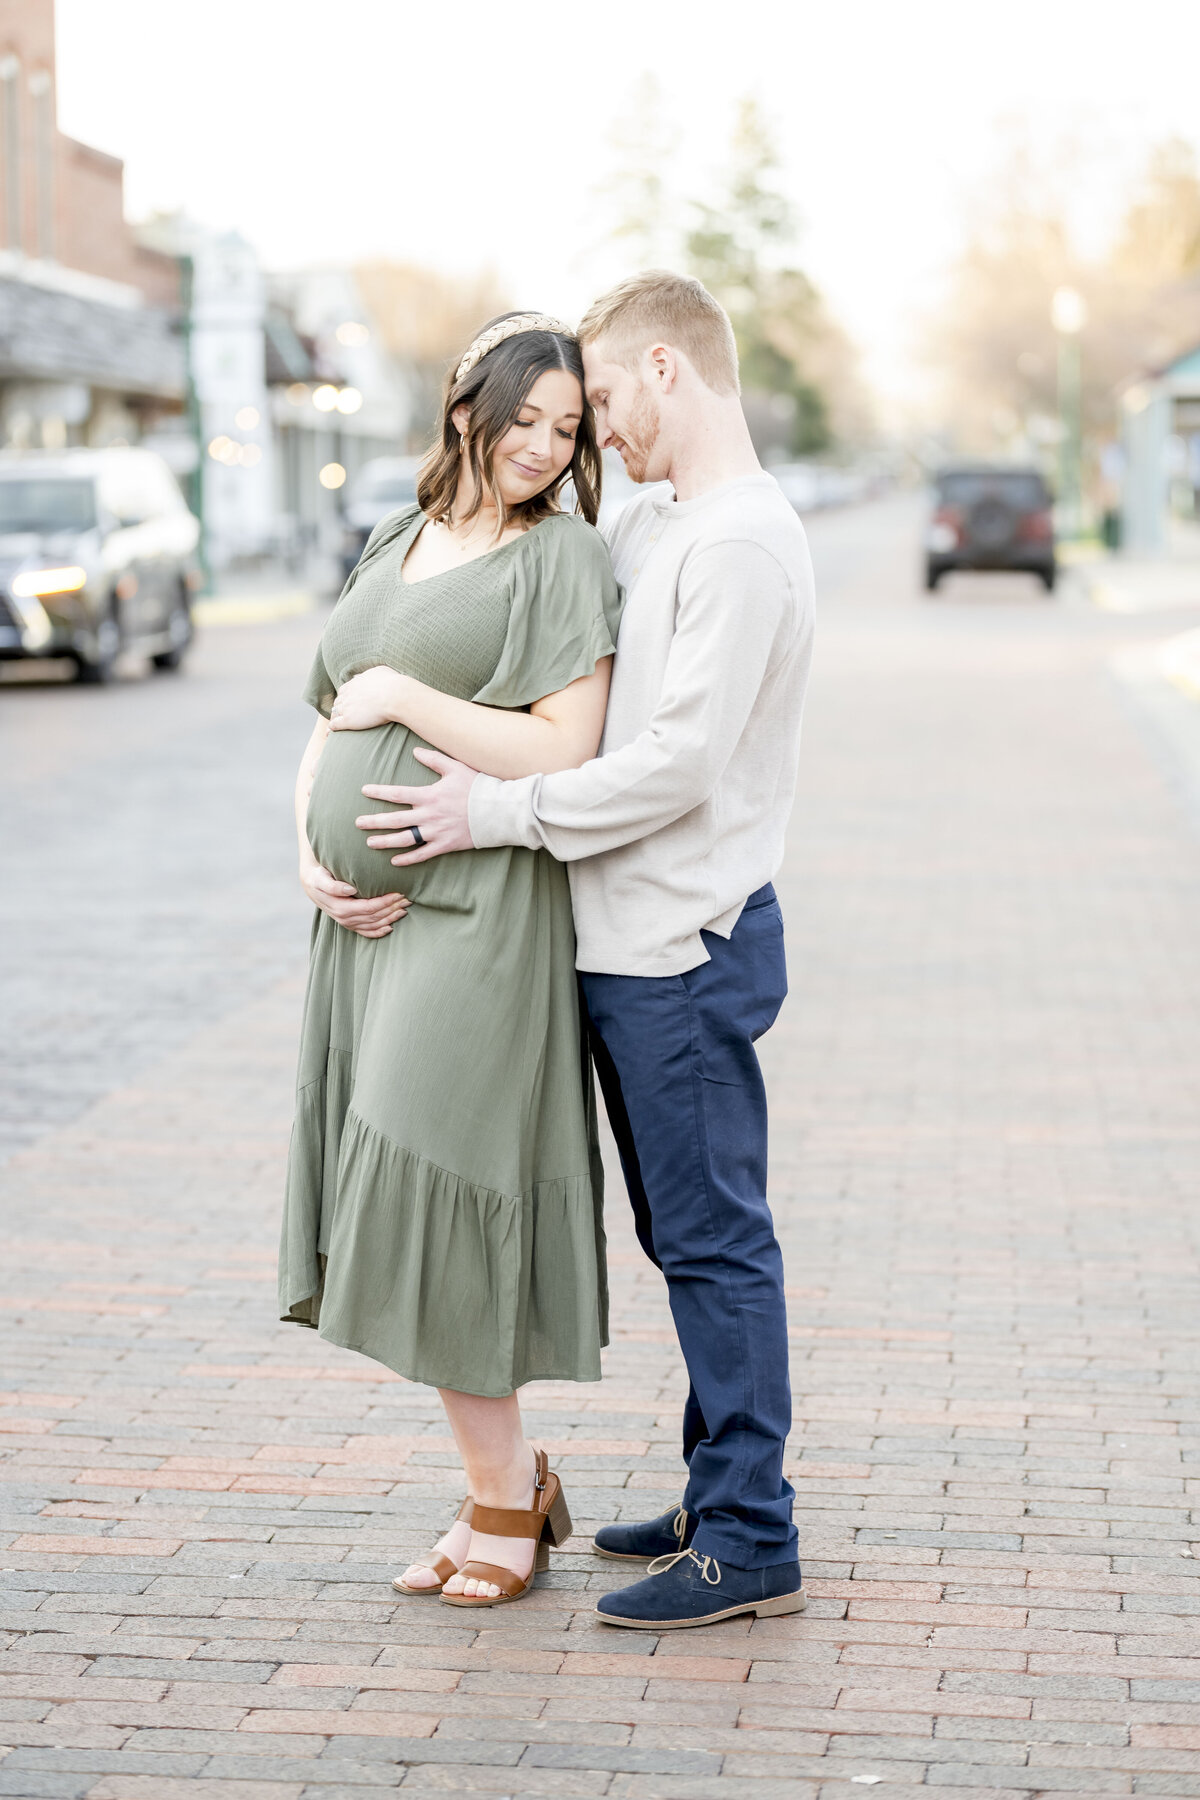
{"x": 97, "y": 555}
{"x": 989, "y": 516}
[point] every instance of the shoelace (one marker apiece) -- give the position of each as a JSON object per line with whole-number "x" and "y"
{"x": 679, "y": 1525}
{"x": 661, "y": 1564}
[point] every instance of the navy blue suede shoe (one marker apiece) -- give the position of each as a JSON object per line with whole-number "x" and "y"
{"x": 690, "y": 1589}
{"x": 663, "y": 1536}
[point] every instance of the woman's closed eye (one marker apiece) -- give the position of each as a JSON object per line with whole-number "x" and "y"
{"x": 527, "y": 424}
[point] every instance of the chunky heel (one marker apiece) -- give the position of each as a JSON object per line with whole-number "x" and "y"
{"x": 558, "y": 1517}
{"x": 541, "y": 1557}
{"x": 783, "y": 1603}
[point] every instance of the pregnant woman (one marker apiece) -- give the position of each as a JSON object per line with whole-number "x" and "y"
{"x": 443, "y": 1210}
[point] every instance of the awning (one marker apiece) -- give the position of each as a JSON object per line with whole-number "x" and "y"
{"x": 47, "y": 335}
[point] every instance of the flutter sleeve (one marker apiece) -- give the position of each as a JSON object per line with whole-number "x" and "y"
{"x": 565, "y": 612}
{"x": 319, "y": 690}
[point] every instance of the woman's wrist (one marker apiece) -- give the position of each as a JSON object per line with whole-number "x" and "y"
{"x": 400, "y": 693}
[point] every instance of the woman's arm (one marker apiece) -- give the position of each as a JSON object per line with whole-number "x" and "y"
{"x": 304, "y": 781}
{"x": 560, "y": 731}
{"x": 369, "y": 918}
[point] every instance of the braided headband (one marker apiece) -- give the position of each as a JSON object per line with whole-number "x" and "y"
{"x": 507, "y": 328}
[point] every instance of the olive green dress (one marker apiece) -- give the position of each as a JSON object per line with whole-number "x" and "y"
{"x": 443, "y": 1206}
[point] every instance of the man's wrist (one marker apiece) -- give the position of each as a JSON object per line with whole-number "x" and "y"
{"x": 500, "y": 812}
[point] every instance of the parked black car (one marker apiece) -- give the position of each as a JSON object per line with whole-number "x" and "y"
{"x": 380, "y": 487}
{"x": 97, "y": 555}
{"x": 990, "y": 517}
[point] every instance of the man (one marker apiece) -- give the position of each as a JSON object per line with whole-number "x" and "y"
{"x": 673, "y": 834}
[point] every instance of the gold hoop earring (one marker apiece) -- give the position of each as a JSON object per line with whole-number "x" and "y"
{"x": 462, "y": 443}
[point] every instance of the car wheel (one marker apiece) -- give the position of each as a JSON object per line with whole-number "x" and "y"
{"x": 180, "y": 627}
{"x": 1049, "y": 577}
{"x": 932, "y": 577}
{"x": 96, "y": 670}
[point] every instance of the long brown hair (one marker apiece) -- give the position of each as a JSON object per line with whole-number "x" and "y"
{"x": 495, "y": 390}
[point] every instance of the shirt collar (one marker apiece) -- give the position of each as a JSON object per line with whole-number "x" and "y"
{"x": 668, "y": 507}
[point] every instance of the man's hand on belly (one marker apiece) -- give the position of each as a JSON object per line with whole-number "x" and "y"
{"x": 438, "y": 813}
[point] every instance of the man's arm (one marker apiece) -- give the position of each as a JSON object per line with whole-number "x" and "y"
{"x": 737, "y": 606}
{"x": 735, "y": 609}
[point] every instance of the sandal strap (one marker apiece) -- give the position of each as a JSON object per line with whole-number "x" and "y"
{"x": 503, "y": 1521}
{"x": 437, "y": 1560}
{"x": 508, "y": 1582}
{"x": 441, "y": 1565}
{"x": 540, "y": 1468}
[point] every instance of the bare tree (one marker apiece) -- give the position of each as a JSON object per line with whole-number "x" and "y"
{"x": 992, "y": 343}
{"x": 426, "y": 320}
{"x": 1159, "y": 241}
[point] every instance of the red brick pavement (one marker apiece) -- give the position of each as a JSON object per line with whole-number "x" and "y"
{"x": 986, "y": 1155}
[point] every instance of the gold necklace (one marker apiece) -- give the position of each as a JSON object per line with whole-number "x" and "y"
{"x": 464, "y": 542}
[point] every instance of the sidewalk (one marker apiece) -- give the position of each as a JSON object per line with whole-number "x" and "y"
{"x": 1143, "y": 585}
{"x": 986, "y": 1157}
{"x": 257, "y": 599}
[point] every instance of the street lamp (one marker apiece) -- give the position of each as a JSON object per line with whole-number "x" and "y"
{"x": 1068, "y": 315}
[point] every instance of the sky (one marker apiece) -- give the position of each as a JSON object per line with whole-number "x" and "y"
{"x": 469, "y": 135}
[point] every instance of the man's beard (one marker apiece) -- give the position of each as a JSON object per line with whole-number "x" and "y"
{"x": 642, "y": 434}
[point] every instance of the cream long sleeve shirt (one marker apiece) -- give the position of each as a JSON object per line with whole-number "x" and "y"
{"x": 683, "y": 813}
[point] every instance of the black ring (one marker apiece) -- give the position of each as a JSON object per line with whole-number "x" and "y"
{"x": 416, "y": 834}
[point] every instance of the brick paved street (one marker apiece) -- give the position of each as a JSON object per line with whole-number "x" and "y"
{"x": 986, "y": 1158}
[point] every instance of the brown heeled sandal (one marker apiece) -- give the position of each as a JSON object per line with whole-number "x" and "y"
{"x": 441, "y": 1565}
{"x": 548, "y": 1520}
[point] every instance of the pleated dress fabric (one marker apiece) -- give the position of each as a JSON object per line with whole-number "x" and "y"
{"x": 443, "y": 1210}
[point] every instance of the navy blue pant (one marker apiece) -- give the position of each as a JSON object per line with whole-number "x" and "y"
{"x": 677, "y": 1066}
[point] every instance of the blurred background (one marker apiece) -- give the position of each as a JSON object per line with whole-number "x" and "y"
{"x": 248, "y": 241}
{"x": 239, "y": 244}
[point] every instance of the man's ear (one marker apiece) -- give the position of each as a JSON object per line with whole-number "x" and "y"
{"x": 663, "y": 367}
{"x": 460, "y": 418}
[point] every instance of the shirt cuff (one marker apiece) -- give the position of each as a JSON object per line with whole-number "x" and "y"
{"x": 501, "y": 812}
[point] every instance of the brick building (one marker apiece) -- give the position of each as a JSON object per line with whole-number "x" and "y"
{"x": 93, "y": 337}
{"x": 90, "y": 347}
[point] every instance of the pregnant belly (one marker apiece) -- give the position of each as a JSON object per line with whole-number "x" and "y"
{"x": 350, "y": 760}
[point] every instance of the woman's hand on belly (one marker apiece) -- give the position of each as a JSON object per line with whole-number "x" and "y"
{"x": 376, "y": 697}
{"x": 370, "y": 918}
{"x": 349, "y": 759}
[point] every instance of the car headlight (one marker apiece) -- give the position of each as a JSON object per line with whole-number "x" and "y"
{"x": 34, "y": 584}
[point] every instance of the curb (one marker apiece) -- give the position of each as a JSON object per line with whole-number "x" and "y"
{"x": 1163, "y": 588}
{"x": 1179, "y": 660}
{"x": 253, "y": 609}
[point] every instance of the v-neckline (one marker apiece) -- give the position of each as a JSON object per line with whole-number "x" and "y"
{"x": 438, "y": 574}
